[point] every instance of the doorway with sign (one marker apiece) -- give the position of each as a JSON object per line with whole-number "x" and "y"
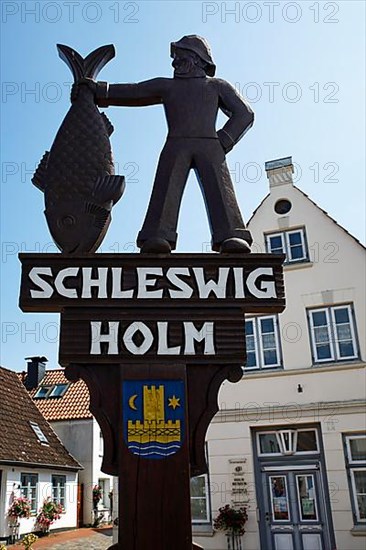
{"x": 292, "y": 489}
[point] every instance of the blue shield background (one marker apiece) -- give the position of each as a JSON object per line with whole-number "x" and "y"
{"x": 132, "y": 394}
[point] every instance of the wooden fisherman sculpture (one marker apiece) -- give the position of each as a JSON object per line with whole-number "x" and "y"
{"x": 191, "y": 101}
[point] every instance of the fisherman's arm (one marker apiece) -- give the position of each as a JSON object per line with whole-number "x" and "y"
{"x": 241, "y": 116}
{"x": 149, "y": 92}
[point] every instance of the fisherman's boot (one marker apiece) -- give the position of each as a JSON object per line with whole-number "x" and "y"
{"x": 235, "y": 245}
{"x": 157, "y": 246}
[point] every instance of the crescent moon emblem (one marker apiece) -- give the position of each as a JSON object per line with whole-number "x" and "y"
{"x": 131, "y": 402}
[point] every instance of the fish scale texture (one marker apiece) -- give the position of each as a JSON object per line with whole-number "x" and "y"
{"x": 80, "y": 153}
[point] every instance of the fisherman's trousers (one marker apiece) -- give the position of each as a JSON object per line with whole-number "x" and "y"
{"x": 207, "y": 158}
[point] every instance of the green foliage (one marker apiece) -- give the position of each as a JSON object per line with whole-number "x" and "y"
{"x": 231, "y": 520}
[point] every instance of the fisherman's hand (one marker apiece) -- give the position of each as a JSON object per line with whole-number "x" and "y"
{"x": 226, "y": 142}
{"x": 89, "y": 82}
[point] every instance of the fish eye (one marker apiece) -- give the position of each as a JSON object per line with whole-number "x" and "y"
{"x": 67, "y": 221}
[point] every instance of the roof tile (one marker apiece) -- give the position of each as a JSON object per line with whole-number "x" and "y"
{"x": 73, "y": 405}
{"x": 18, "y": 441}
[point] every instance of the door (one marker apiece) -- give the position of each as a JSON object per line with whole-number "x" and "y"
{"x": 80, "y": 505}
{"x": 294, "y": 510}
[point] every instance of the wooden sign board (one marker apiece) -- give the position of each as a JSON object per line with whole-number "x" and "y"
{"x": 188, "y": 335}
{"x": 52, "y": 282}
{"x": 128, "y": 307}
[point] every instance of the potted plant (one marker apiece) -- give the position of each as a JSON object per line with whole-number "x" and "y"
{"x": 232, "y": 521}
{"x": 20, "y": 508}
{"x": 48, "y": 514}
{"x": 97, "y": 496}
{"x": 28, "y": 540}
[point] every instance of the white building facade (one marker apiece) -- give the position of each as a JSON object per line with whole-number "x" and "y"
{"x": 84, "y": 440}
{"x": 34, "y": 464}
{"x": 289, "y": 442}
{"x": 65, "y": 406}
{"x": 37, "y": 484}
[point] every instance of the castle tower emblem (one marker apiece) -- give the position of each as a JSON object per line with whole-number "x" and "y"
{"x": 153, "y": 417}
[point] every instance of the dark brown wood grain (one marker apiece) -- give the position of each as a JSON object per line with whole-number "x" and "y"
{"x": 227, "y": 327}
{"x": 130, "y": 262}
{"x": 154, "y": 500}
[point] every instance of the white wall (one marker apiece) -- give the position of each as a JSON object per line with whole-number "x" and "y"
{"x": 77, "y": 437}
{"x": 81, "y": 439}
{"x": 12, "y": 479}
{"x": 103, "y": 507}
{"x": 336, "y": 273}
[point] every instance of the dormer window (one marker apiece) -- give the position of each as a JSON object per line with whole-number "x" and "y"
{"x": 43, "y": 392}
{"x": 37, "y": 430}
{"x": 292, "y": 243}
{"x": 56, "y": 390}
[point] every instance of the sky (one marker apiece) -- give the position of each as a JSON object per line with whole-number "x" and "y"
{"x": 300, "y": 65}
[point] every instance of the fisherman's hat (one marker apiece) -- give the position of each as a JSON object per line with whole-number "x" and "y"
{"x": 198, "y": 45}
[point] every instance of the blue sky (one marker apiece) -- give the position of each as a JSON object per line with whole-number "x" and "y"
{"x": 300, "y": 64}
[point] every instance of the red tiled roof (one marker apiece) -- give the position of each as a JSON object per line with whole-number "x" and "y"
{"x": 18, "y": 441}
{"x": 73, "y": 405}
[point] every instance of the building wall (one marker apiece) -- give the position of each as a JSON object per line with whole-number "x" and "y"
{"x": 335, "y": 274}
{"x": 332, "y": 395}
{"x": 99, "y": 477}
{"x": 81, "y": 438}
{"x": 230, "y": 437}
{"x": 11, "y": 485}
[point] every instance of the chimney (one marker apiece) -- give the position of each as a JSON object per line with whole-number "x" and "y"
{"x": 36, "y": 369}
{"x": 279, "y": 171}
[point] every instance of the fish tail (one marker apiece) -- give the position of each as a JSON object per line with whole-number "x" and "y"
{"x": 87, "y": 67}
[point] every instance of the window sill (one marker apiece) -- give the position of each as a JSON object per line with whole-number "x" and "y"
{"x": 247, "y": 372}
{"x": 343, "y": 363}
{"x": 359, "y": 531}
{"x": 202, "y": 530}
{"x": 297, "y": 265}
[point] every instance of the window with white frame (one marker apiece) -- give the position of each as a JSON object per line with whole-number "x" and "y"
{"x": 40, "y": 435}
{"x": 262, "y": 342}
{"x": 355, "y": 450}
{"x": 333, "y": 334}
{"x": 105, "y": 485}
{"x": 287, "y": 442}
{"x": 56, "y": 390}
{"x": 28, "y": 489}
{"x": 200, "y": 505}
{"x": 59, "y": 490}
{"x": 291, "y": 243}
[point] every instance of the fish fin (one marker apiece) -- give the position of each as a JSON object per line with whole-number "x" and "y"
{"x": 109, "y": 126}
{"x": 109, "y": 188}
{"x": 87, "y": 67}
{"x": 39, "y": 175}
{"x": 101, "y": 214}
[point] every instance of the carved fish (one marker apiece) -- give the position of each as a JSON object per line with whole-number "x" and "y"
{"x": 77, "y": 175}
